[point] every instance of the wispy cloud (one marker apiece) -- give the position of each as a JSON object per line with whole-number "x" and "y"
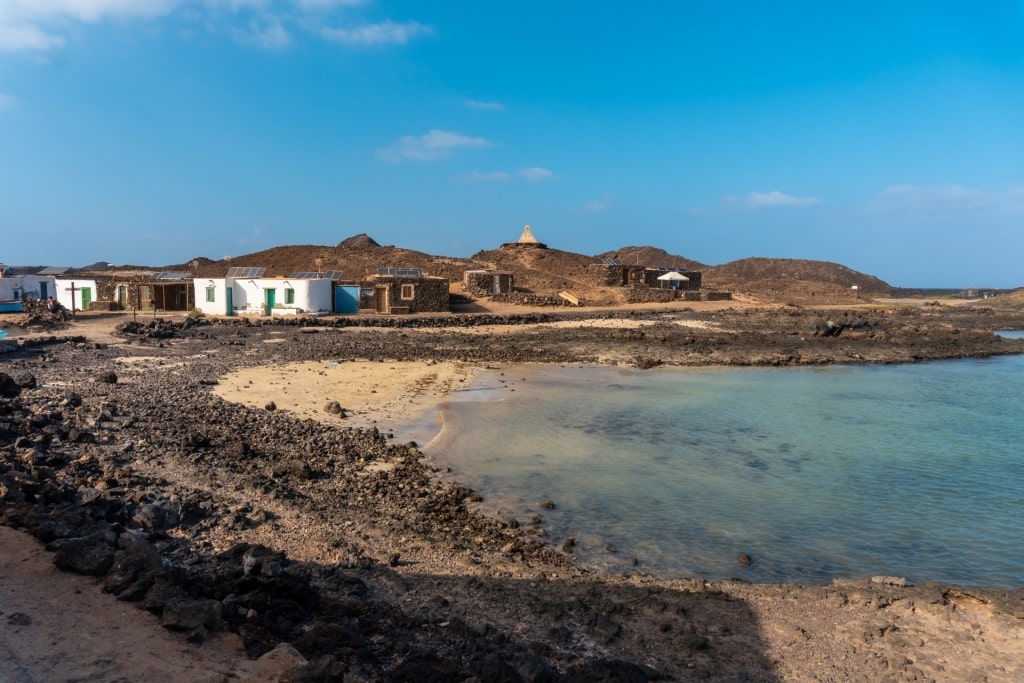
{"x": 943, "y": 199}
{"x": 329, "y": 4}
{"x": 536, "y": 174}
{"x": 769, "y": 199}
{"x": 483, "y": 177}
{"x": 16, "y": 37}
{"x": 383, "y": 33}
{"x": 602, "y": 205}
{"x": 484, "y": 106}
{"x": 433, "y": 145}
{"x": 7, "y": 101}
{"x": 39, "y": 25}
{"x": 267, "y": 33}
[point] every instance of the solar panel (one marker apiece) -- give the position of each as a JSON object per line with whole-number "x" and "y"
{"x": 611, "y": 262}
{"x": 304, "y": 275}
{"x": 401, "y": 272}
{"x": 246, "y": 271}
{"x": 332, "y": 274}
{"x": 170, "y": 276}
{"x": 54, "y": 270}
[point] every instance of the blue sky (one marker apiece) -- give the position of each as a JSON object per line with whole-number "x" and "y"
{"x": 886, "y": 136}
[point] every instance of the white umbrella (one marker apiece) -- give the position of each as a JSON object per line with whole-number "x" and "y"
{"x": 673, "y": 277}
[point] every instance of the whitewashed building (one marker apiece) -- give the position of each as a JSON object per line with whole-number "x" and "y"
{"x": 75, "y": 294}
{"x": 24, "y": 287}
{"x": 246, "y": 292}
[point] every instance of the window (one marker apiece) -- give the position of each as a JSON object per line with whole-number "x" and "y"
{"x": 289, "y": 296}
{"x": 211, "y": 294}
{"x": 408, "y": 292}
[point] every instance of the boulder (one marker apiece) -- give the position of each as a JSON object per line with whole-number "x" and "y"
{"x": 136, "y": 563}
{"x": 187, "y": 615}
{"x": 92, "y": 555}
{"x": 8, "y": 387}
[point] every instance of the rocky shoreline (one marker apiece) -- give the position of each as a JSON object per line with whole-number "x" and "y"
{"x": 349, "y": 554}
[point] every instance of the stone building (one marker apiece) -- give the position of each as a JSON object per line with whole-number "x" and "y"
{"x": 488, "y": 282}
{"x": 395, "y": 291}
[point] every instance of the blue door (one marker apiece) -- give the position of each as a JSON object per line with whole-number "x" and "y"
{"x": 346, "y": 298}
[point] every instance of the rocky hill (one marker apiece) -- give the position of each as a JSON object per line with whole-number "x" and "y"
{"x": 738, "y": 274}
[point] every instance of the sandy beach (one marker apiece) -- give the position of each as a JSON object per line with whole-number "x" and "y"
{"x": 387, "y": 395}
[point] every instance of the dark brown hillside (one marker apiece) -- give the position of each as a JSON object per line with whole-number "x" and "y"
{"x": 740, "y": 274}
{"x": 651, "y": 256}
{"x": 546, "y": 270}
{"x": 354, "y": 262}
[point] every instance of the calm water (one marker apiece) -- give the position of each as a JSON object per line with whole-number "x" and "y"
{"x": 908, "y": 470}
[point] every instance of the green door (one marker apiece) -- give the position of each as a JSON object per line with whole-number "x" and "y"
{"x": 86, "y": 298}
{"x": 230, "y": 305}
{"x": 271, "y": 295}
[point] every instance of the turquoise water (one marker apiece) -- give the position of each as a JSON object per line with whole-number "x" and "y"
{"x": 816, "y": 473}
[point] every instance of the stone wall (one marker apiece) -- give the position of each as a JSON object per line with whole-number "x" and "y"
{"x": 487, "y": 282}
{"x": 526, "y": 299}
{"x": 430, "y": 295}
{"x": 646, "y": 295}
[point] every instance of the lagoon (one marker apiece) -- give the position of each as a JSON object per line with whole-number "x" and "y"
{"x": 814, "y": 473}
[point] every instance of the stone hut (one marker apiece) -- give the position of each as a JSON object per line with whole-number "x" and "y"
{"x": 395, "y": 291}
{"x": 488, "y": 282}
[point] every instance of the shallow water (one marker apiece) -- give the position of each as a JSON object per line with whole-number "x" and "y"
{"x": 816, "y": 473}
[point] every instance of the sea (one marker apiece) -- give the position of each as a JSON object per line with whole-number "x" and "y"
{"x": 787, "y": 474}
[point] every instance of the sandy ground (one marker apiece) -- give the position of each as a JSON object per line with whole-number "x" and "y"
{"x": 370, "y": 393}
{"x": 58, "y": 626}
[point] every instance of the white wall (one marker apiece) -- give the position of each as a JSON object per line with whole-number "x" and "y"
{"x": 249, "y": 296}
{"x": 219, "y": 304}
{"x": 26, "y": 287}
{"x": 63, "y": 293}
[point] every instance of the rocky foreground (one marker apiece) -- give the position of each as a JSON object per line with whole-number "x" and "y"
{"x": 348, "y": 557}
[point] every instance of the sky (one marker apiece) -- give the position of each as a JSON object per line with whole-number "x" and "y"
{"x": 885, "y": 136}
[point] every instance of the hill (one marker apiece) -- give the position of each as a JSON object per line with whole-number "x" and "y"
{"x": 551, "y": 270}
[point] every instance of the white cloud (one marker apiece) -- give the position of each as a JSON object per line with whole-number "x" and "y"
{"x": 329, "y": 4}
{"x": 776, "y": 198}
{"x": 483, "y": 177}
{"x": 433, "y": 145}
{"x": 37, "y": 25}
{"x": 536, "y": 174}
{"x": 15, "y": 37}
{"x": 383, "y": 33}
{"x": 484, "y": 106}
{"x": 7, "y": 101}
{"x": 84, "y": 10}
{"x": 267, "y": 33}
{"x": 24, "y": 24}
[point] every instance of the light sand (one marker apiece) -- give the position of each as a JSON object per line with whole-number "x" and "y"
{"x": 389, "y": 394}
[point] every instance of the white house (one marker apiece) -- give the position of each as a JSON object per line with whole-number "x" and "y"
{"x": 264, "y": 295}
{"x": 75, "y": 294}
{"x": 20, "y": 287}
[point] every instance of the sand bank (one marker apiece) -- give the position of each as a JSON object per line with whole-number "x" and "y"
{"x": 371, "y": 393}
